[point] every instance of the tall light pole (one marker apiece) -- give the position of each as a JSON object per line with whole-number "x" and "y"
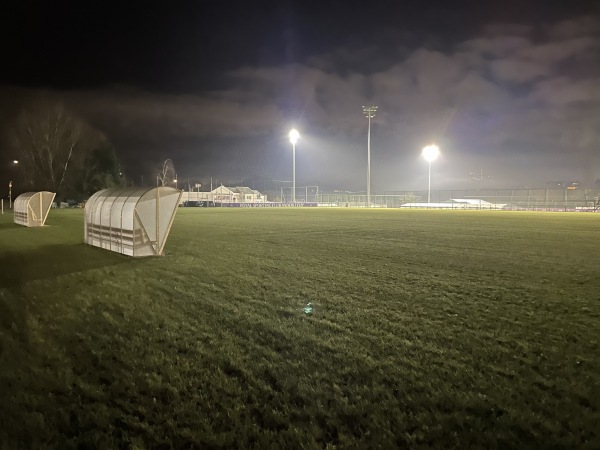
{"x": 294, "y": 135}
{"x": 369, "y": 112}
{"x": 430, "y": 153}
{"x": 14, "y": 163}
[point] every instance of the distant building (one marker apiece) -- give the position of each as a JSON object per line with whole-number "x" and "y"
{"x": 224, "y": 194}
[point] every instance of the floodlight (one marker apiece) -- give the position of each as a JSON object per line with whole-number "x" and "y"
{"x": 294, "y": 135}
{"x": 431, "y": 152}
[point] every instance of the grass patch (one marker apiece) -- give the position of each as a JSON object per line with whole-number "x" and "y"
{"x": 450, "y": 329}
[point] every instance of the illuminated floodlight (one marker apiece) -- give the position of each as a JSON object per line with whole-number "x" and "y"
{"x": 294, "y": 135}
{"x": 430, "y": 153}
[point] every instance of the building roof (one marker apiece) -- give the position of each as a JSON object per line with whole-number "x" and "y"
{"x": 222, "y": 190}
{"x": 244, "y": 190}
{"x": 235, "y": 190}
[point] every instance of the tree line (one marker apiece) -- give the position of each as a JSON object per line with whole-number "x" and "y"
{"x": 60, "y": 152}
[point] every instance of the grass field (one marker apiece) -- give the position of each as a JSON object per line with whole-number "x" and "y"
{"x": 431, "y": 329}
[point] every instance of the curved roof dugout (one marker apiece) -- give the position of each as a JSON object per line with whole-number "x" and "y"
{"x": 31, "y": 208}
{"x": 131, "y": 221}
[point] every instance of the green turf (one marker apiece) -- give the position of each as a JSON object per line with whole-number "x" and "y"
{"x": 431, "y": 329}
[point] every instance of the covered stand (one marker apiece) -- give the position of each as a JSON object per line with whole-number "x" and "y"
{"x": 132, "y": 221}
{"x": 31, "y": 208}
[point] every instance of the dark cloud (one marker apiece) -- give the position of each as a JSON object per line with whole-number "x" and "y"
{"x": 564, "y": 91}
{"x": 580, "y": 26}
{"x": 515, "y": 70}
{"x": 520, "y": 101}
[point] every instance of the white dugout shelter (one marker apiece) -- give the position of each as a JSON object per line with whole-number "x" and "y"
{"x": 31, "y": 208}
{"x": 131, "y": 221}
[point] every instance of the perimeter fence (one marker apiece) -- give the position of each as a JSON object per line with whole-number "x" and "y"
{"x": 511, "y": 199}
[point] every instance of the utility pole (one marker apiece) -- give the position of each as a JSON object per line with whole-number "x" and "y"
{"x": 369, "y": 112}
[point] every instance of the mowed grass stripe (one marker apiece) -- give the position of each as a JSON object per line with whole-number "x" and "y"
{"x": 431, "y": 329}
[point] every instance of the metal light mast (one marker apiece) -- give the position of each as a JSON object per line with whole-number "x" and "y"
{"x": 369, "y": 112}
{"x": 294, "y": 136}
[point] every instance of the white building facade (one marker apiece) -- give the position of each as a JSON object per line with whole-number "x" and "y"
{"x": 224, "y": 194}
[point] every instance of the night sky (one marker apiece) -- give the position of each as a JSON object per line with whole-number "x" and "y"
{"x": 509, "y": 88}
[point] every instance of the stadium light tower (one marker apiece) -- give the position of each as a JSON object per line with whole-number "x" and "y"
{"x": 294, "y": 135}
{"x": 15, "y": 163}
{"x": 369, "y": 112}
{"x": 430, "y": 153}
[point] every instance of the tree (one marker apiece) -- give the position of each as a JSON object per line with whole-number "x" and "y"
{"x": 166, "y": 175}
{"x": 101, "y": 170}
{"x": 52, "y": 146}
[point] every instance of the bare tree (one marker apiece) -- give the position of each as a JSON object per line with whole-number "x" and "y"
{"x": 166, "y": 175}
{"x": 48, "y": 142}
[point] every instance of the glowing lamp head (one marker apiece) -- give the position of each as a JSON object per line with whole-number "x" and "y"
{"x": 15, "y": 161}
{"x": 294, "y": 135}
{"x": 431, "y": 152}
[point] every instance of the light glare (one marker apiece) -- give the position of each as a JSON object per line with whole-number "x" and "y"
{"x": 294, "y": 135}
{"x": 431, "y": 152}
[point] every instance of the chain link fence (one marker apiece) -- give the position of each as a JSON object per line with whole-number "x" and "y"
{"x": 510, "y": 199}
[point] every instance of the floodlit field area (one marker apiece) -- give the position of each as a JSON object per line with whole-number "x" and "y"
{"x": 448, "y": 329}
